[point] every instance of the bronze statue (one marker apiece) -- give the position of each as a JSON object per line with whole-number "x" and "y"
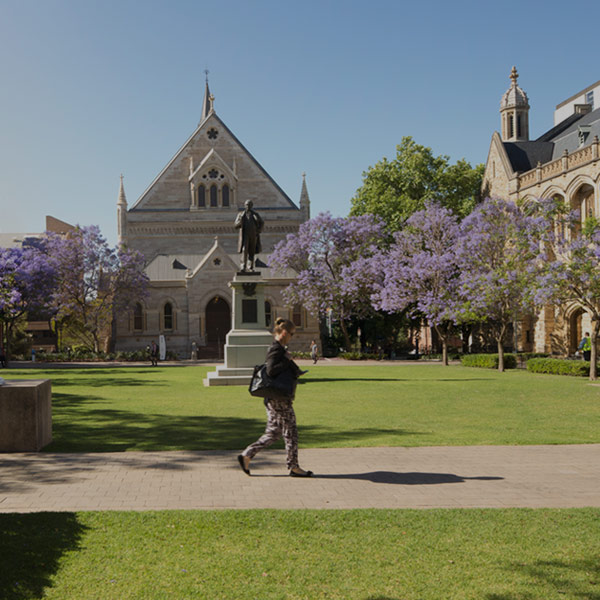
{"x": 250, "y": 224}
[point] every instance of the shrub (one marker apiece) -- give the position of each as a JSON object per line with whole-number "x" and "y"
{"x": 300, "y": 354}
{"x": 358, "y": 356}
{"x": 559, "y": 366}
{"x": 488, "y": 361}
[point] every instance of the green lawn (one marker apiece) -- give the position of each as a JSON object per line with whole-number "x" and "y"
{"x": 168, "y": 408}
{"x": 515, "y": 554}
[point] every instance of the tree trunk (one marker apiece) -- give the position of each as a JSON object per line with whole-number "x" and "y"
{"x": 465, "y": 331}
{"x": 442, "y": 332}
{"x": 500, "y": 356}
{"x": 593, "y": 359}
{"x": 346, "y": 336}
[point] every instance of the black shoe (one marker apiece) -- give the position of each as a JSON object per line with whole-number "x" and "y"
{"x": 305, "y": 474}
{"x": 241, "y": 461}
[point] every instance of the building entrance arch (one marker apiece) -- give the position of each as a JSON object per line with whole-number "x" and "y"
{"x": 218, "y": 324}
{"x": 575, "y": 330}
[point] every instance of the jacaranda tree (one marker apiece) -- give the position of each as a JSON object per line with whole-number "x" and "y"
{"x": 323, "y": 256}
{"x": 500, "y": 255}
{"x": 420, "y": 270}
{"x": 93, "y": 281}
{"x": 26, "y": 284}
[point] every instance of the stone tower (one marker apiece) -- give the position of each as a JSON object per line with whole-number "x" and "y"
{"x": 514, "y": 111}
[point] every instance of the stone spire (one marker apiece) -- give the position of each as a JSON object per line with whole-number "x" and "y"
{"x": 514, "y": 110}
{"x": 208, "y": 102}
{"x": 122, "y": 214}
{"x": 304, "y": 199}
{"x": 122, "y": 198}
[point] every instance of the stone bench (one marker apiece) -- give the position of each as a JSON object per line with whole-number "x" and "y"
{"x": 25, "y": 415}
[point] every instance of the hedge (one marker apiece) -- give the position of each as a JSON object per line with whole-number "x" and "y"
{"x": 359, "y": 356}
{"x": 488, "y": 361}
{"x": 559, "y": 366}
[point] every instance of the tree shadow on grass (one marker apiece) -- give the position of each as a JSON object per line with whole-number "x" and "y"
{"x": 407, "y": 478}
{"x": 577, "y": 578}
{"x": 80, "y": 427}
{"x": 390, "y": 379}
{"x": 31, "y": 546}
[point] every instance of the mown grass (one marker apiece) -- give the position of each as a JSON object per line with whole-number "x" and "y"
{"x": 168, "y": 408}
{"x": 514, "y": 554}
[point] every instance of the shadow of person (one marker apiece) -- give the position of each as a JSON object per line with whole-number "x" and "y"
{"x": 406, "y": 478}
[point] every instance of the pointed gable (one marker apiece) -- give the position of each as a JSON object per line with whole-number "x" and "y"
{"x": 212, "y": 155}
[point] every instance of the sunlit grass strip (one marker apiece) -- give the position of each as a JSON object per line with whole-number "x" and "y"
{"x": 140, "y": 408}
{"x": 358, "y": 554}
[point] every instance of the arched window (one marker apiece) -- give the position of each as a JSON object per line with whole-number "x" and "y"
{"x": 268, "y": 313}
{"x": 201, "y": 196}
{"x": 138, "y": 317}
{"x": 213, "y": 195}
{"x": 225, "y": 195}
{"x": 297, "y": 315}
{"x": 168, "y": 316}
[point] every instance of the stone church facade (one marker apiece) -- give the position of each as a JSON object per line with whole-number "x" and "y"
{"x": 183, "y": 224}
{"x": 562, "y": 163}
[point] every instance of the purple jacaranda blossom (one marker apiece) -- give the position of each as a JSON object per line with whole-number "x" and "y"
{"x": 500, "y": 255}
{"x": 93, "y": 280}
{"x": 329, "y": 262}
{"x": 26, "y": 284}
{"x": 420, "y": 270}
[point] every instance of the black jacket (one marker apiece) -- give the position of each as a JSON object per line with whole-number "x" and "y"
{"x": 277, "y": 362}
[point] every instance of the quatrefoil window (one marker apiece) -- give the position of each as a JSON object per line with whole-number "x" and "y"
{"x": 217, "y": 262}
{"x": 213, "y": 173}
{"x": 212, "y": 134}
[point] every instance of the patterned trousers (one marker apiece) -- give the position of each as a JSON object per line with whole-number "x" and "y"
{"x": 281, "y": 420}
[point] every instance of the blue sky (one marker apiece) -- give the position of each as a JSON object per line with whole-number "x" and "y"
{"x": 92, "y": 89}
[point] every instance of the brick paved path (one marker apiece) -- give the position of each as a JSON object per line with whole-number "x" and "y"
{"x": 476, "y": 476}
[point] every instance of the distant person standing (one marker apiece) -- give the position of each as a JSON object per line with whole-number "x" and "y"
{"x": 2, "y": 358}
{"x": 314, "y": 352}
{"x": 586, "y": 346}
{"x": 154, "y": 354}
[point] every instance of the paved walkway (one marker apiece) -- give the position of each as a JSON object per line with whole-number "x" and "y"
{"x": 457, "y": 477}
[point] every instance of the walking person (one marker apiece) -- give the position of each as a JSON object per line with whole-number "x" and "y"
{"x": 281, "y": 419}
{"x": 154, "y": 354}
{"x": 586, "y": 346}
{"x": 314, "y": 352}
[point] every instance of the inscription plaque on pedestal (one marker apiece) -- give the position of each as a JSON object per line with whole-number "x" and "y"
{"x": 249, "y": 311}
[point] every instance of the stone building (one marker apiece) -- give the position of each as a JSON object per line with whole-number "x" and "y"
{"x": 183, "y": 224}
{"x": 562, "y": 163}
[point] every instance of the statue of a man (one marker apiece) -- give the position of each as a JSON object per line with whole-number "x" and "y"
{"x": 250, "y": 225}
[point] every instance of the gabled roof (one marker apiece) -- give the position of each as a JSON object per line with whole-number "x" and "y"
{"x": 211, "y": 118}
{"x": 525, "y": 156}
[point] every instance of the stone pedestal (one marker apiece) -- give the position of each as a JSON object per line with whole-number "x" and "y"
{"x": 25, "y": 415}
{"x": 247, "y": 343}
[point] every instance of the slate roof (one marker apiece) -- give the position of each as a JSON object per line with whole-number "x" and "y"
{"x": 525, "y": 156}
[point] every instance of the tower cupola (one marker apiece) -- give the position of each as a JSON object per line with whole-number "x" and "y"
{"x": 514, "y": 111}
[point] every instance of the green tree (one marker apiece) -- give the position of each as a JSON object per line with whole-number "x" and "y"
{"x": 395, "y": 189}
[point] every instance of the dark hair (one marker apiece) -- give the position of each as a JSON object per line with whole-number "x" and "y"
{"x": 284, "y": 325}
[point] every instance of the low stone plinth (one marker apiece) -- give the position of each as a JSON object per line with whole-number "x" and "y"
{"x": 25, "y": 415}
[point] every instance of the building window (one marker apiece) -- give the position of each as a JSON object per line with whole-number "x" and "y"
{"x": 201, "y": 196}
{"x": 213, "y": 195}
{"x": 511, "y": 126}
{"x": 268, "y": 313}
{"x": 168, "y": 316}
{"x": 589, "y": 99}
{"x": 138, "y": 317}
{"x": 297, "y": 315}
{"x": 519, "y": 129}
{"x": 225, "y": 195}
